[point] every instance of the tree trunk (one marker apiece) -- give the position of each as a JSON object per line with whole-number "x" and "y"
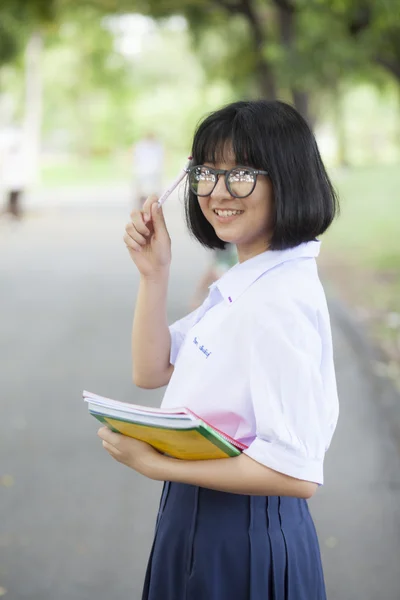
{"x": 265, "y": 76}
{"x": 286, "y": 17}
{"x": 301, "y": 100}
{"x": 33, "y": 104}
{"x": 266, "y": 80}
{"x": 393, "y": 66}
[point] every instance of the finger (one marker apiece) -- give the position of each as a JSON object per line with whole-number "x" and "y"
{"x": 135, "y": 235}
{"x": 102, "y": 430}
{"x": 131, "y": 244}
{"x": 137, "y": 218}
{"x": 109, "y": 436}
{"x": 147, "y": 207}
{"x": 157, "y": 217}
{"x": 111, "y": 449}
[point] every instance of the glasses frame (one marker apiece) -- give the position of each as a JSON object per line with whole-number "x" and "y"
{"x": 226, "y": 173}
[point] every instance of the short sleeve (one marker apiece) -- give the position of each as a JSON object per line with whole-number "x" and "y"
{"x": 178, "y": 331}
{"x": 288, "y": 395}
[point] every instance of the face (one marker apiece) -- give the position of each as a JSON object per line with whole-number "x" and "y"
{"x": 249, "y": 227}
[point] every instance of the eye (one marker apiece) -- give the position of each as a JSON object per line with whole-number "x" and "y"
{"x": 206, "y": 174}
{"x": 242, "y": 182}
{"x": 241, "y": 176}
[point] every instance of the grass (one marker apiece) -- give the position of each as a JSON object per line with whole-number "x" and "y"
{"x": 361, "y": 253}
{"x": 368, "y": 229}
{"x": 95, "y": 170}
{"x": 86, "y": 172}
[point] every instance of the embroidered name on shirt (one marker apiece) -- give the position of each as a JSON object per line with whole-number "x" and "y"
{"x": 201, "y": 348}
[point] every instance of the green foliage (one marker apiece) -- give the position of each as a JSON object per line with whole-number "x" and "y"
{"x": 32, "y": 12}
{"x": 18, "y": 19}
{"x": 96, "y": 96}
{"x": 9, "y": 39}
{"x": 86, "y": 81}
{"x": 367, "y": 229}
{"x": 332, "y": 38}
{"x": 362, "y": 34}
{"x": 225, "y": 51}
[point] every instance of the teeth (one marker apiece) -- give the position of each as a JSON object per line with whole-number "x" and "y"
{"x": 227, "y": 213}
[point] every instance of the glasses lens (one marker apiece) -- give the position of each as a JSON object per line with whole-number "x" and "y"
{"x": 202, "y": 181}
{"x": 241, "y": 182}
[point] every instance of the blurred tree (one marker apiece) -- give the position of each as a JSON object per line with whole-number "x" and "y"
{"x": 268, "y": 47}
{"x": 372, "y": 26}
{"x": 203, "y": 15}
{"x": 9, "y": 38}
{"x": 21, "y": 29}
{"x": 304, "y": 51}
{"x": 293, "y": 48}
{"x": 243, "y": 31}
{"x": 18, "y": 19}
{"x": 84, "y": 77}
{"x": 341, "y": 38}
{"x": 29, "y": 27}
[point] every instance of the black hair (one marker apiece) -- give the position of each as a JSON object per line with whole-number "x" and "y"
{"x": 270, "y": 136}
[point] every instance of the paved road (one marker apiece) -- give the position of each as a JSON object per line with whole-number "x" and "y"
{"x": 74, "y": 525}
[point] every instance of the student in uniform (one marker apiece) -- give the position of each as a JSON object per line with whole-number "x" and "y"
{"x": 239, "y": 528}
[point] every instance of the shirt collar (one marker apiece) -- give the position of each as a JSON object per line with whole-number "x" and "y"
{"x": 235, "y": 281}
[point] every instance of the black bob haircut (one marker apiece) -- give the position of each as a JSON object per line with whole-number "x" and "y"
{"x": 270, "y": 136}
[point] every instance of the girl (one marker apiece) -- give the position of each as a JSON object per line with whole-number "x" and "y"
{"x": 239, "y": 528}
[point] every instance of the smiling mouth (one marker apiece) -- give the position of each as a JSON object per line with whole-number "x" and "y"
{"x": 227, "y": 212}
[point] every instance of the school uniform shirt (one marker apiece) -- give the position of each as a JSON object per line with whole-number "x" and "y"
{"x": 256, "y": 361}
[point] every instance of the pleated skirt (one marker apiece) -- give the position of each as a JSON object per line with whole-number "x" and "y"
{"x": 213, "y": 545}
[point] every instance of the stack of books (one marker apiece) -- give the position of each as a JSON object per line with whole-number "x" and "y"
{"x": 177, "y": 432}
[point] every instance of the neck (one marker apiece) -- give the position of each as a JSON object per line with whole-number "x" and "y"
{"x": 247, "y": 251}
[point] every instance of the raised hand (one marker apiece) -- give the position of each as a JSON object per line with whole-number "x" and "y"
{"x": 147, "y": 239}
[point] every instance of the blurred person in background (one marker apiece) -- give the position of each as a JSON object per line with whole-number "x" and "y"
{"x": 14, "y": 176}
{"x": 222, "y": 261}
{"x": 148, "y": 168}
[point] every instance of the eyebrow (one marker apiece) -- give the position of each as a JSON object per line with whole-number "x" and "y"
{"x": 234, "y": 164}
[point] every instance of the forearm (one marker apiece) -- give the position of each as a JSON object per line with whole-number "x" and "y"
{"x": 239, "y": 475}
{"x": 151, "y": 340}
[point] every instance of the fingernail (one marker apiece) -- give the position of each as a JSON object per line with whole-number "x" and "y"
{"x": 146, "y": 217}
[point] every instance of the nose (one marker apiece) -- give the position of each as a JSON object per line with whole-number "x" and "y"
{"x": 220, "y": 191}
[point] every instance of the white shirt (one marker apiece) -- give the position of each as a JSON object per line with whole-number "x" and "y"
{"x": 148, "y": 157}
{"x": 256, "y": 361}
{"x": 14, "y": 172}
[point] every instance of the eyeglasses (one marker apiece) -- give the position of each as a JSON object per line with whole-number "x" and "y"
{"x": 240, "y": 181}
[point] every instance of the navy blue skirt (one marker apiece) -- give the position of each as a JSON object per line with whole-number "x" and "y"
{"x": 212, "y": 545}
